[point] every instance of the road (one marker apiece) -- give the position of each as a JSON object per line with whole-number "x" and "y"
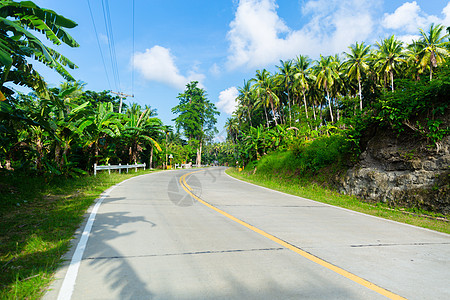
{"x": 151, "y": 239}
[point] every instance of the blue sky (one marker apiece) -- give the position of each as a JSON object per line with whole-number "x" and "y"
{"x": 222, "y": 42}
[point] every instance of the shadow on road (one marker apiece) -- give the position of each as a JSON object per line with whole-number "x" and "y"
{"x": 119, "y": 276}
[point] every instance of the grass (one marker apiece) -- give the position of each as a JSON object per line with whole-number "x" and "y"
{"x": 38, "y": 218}
{"x": 303, "y": 188}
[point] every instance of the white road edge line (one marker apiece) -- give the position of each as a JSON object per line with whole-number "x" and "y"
{"x": 341, "y": 208}
{"x": 68, "y": 285}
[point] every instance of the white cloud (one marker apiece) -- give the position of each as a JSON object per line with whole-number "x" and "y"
{"x": 446, "y": 13}
{"x": 227, "y": 100}
{"x": 158, "y": 64}
{"x": 259, "y": 37}
{"x": 409, "y": 17}
{"x": 408, "y": 38}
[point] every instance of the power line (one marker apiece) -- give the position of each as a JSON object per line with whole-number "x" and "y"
{"x": 98, "y": 43}
{"x": 111, "y": 43}
{"x": 132, "y": 69}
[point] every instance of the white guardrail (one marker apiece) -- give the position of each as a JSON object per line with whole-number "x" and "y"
{"x": 117, "y": 167}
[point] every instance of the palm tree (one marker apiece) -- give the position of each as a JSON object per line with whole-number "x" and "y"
{"x": 389, "y": 56}
{"x": 265, "y": 88}
{"x": 413, "y": 55}
{"x": 357, "y": 64}
{"x": 302, "y": 74}
{"x": 246, "y": 98}
{"x": 326, "y": 75}
{"x": 435, "y": 47}
{"x": 286, "y": 79}
{"x": 232, "y": 127}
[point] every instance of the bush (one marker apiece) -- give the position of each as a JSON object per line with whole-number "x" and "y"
{"x": 322, "y": 152}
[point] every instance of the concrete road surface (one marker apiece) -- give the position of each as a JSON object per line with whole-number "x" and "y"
{"x": 151, "y": 239}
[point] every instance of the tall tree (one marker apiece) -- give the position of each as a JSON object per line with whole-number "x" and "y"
{"x": 389, "y": 57}
{"x": 357, "y": 64}
{"x": 435, "y": 47}
{"x": 287, "y": 79}
{"x": 301, "y": 76}
{"x": 246, "y": 98}
{"x": 196, "y": 116}
{"x": 326, "y": 74}
{"x": 265, "y": 89}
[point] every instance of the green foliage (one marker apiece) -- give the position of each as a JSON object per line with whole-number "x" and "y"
{"x": 18, "y": 43}
{"x": 404, "y": 109}
{"x": 321, "y": 152}
{"x": 196, "y": 114}
{"x": 38, "y": 218}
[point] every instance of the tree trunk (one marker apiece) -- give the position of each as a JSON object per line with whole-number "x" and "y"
{"x": 360, "y": 94}
{"x": 199, "y": 155}
{"x": 306, "y": 108}
{"x": 290, "y": 114}
{"x": 329, "y": 105}
{"x": 151, "y": 159}
{"x": 273, "y": 111}
{"x": 392, "y": 80}
{"x": 267, "y": 118}
{"x": 58, "y": 155}
{"x": 96, "y": 153}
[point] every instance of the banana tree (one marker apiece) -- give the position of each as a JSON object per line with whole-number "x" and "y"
{"x": 139, "y": 130}
{"x": 99, "y": 124}
{"x": 18, "y": 44}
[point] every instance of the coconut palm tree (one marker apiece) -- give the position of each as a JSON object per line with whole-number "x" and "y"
{"x": 357, "y": 64}
{"x": 246, "y": 98}
{"x": 388, "y": 57}
{"x": 302, "y": 78}
{"x": 435, "y": 47}
{"x": 326, "y": 72}
{"x": 265, "y": 88}
{"x": 286, "y": 77}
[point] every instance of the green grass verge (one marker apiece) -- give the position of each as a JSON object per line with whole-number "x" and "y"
{"x": 38, "y": 218}
{"x": 301, "y": 187}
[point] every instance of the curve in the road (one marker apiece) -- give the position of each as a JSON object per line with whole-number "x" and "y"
{"x": 309, "y": 256}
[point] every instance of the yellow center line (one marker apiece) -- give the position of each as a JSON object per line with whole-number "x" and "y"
{"x": 303, "y": 253}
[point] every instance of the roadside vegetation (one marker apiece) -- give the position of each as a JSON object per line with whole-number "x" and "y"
{"x": 308, "y": 123}
{"x": 295, "y": 130}
{"x": 313, "y": 188}
{"x": 38, "y": 219}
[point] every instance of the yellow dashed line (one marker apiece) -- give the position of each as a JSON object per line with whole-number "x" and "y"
{"x": 303, "y": 253}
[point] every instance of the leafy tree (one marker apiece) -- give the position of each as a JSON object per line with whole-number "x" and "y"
{"x": 196, "y": 116}
{"x": 435, "y": 47}
{"x": 17, "y": 43}
{"x": 302, "y": 80}
{"x": 140, "y": 129}
{"x": 357, "y": 64}
{"x": 326, "y": 75}
{"x": 389, "y": 57}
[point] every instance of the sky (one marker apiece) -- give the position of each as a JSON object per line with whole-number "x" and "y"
{"x": 220, "y": 43}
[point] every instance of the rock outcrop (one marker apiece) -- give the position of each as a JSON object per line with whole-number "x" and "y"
{"x": 402, "y": 170}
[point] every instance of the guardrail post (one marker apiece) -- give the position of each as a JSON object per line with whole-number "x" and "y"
{"x": 127, "y": 168}
{"x": 135, "y": 167}
{"x": 120, "y": 169}
{"x": 95, "y": 169}
{"x": 109, "y": 169}
{"x": 144, "y": 166}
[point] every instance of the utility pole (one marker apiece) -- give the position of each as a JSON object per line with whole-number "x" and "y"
{"x": 121, "y": 96}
